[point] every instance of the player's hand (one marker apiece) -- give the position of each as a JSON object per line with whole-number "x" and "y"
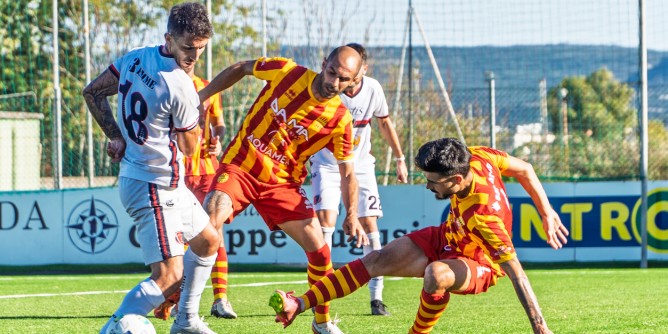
{"x": 402, "y": 171}
{"x": 353, "y": 229}
{"x": 214, "y": 147}
{"x": 554, "y": 229}
{"x": 116, "y": 149}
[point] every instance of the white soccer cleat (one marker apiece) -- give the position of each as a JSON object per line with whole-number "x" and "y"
{"x": 197, "y": 326}
{"x": 222, "y": 308}
{"x": 328, "y": 327}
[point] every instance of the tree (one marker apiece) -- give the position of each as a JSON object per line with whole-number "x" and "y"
{"x": 601, "y": 121}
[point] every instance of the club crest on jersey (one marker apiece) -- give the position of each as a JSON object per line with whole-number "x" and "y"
{"x": 223, "y": 178}
{"x": 179, "y": 238}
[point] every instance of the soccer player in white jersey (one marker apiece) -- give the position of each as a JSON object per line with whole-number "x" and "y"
{"x": 158, "y": 117}
{"x": 365, "y": 100}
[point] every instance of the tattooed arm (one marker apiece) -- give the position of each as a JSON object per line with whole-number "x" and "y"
{"x": 526, "y": 295}
{"x": 95, "y": 94}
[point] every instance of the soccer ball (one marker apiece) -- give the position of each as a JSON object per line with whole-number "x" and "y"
{"x": 131, "y": 324}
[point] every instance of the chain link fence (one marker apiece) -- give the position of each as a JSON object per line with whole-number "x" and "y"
{"x": 554, "y": 83}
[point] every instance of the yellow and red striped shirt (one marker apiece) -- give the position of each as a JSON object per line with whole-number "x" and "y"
{"x": 287, "y": 124}
{"x": 202, "y": 163}
{"x": 479, "y": 225}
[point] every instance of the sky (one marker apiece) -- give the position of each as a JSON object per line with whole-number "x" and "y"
{"x": 474, "y": 22}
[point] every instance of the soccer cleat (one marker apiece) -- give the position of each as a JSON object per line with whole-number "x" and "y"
{"x": 328, "y": 327}
{"x": 378, "y": 308}
{"x": 109, "y": 322}
{"x": 168, "y": 307}
{"x": 196, "y": 327}
{"x": 222, "y": 308}
{"x": 286, "y": 307}
{"x": 165, "y": 310}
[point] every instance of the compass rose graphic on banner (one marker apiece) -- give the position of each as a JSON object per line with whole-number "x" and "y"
{"x": 92, "y": 226}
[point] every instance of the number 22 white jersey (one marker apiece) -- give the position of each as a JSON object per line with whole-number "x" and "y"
{"x": 369, "y": 102}
{"x": 155, "y": 99}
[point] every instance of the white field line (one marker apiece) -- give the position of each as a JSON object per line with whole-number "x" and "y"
{"x": 83, "y": 293}
{"x": 128, "y": 276}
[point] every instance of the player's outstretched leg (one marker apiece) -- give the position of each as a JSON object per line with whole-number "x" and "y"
{"x": 286, "y": 306}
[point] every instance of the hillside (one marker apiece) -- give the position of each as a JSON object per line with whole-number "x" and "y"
{"x": 517, "y": 70}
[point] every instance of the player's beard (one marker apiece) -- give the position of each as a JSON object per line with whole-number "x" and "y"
{"x": 187, "y": 65}
{"x": 440, "y": 196}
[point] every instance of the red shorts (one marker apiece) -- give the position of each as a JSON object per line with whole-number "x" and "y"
{"x": 276, "y": 203}
{"x": 430, "y": 240}
{"x": 199, "y": 185}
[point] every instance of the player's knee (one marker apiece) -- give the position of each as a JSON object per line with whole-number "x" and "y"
{"x": 374, "y": 262}
{"x": 438, "y": 277}
{"x": 218, "y": 205}
{"x": 211, "y": 240}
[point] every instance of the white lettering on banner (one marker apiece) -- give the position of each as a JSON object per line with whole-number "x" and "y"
{"x": 39, "y": 220}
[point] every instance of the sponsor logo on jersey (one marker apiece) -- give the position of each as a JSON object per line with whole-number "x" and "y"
{"x": 295, "y": 130}
{"x": 143, "y": 76}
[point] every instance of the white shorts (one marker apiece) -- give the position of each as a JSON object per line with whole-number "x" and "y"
{"x": 326, "y": 186}
{"x": 166, "y": 217}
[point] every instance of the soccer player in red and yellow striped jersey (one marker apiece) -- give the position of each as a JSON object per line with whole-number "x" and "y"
{"x": 466, "y": 254}
{"x": 296, "y": 114}
{"x": 202, "y": 165}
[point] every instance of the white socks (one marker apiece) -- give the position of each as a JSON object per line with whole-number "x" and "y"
{"x": 144, "y": 297}
{"x": 376, "y": 283}
{"x": 196, "y": 272}
{"x": 328, "y": 233}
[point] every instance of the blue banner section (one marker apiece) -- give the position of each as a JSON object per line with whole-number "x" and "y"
{"x": 90, "y": 226}
{"x": 592, "y": 221}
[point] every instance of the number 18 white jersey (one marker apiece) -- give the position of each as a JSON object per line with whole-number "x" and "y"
{"x": 155, "y": 99}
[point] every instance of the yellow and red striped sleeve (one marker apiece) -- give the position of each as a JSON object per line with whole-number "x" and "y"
{"x": 496, "y": 157}
{"x": 272, "y": 68}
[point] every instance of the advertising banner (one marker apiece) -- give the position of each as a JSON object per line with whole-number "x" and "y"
{"x": 90, "y": 226}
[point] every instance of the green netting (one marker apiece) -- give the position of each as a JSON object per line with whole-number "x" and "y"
{"x": 588, "y": 47}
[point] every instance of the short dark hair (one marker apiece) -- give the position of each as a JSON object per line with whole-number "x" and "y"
{"x": 360, "y": 49}
{"x": 189, "y": 17}
{"x": 446, "y": 156}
